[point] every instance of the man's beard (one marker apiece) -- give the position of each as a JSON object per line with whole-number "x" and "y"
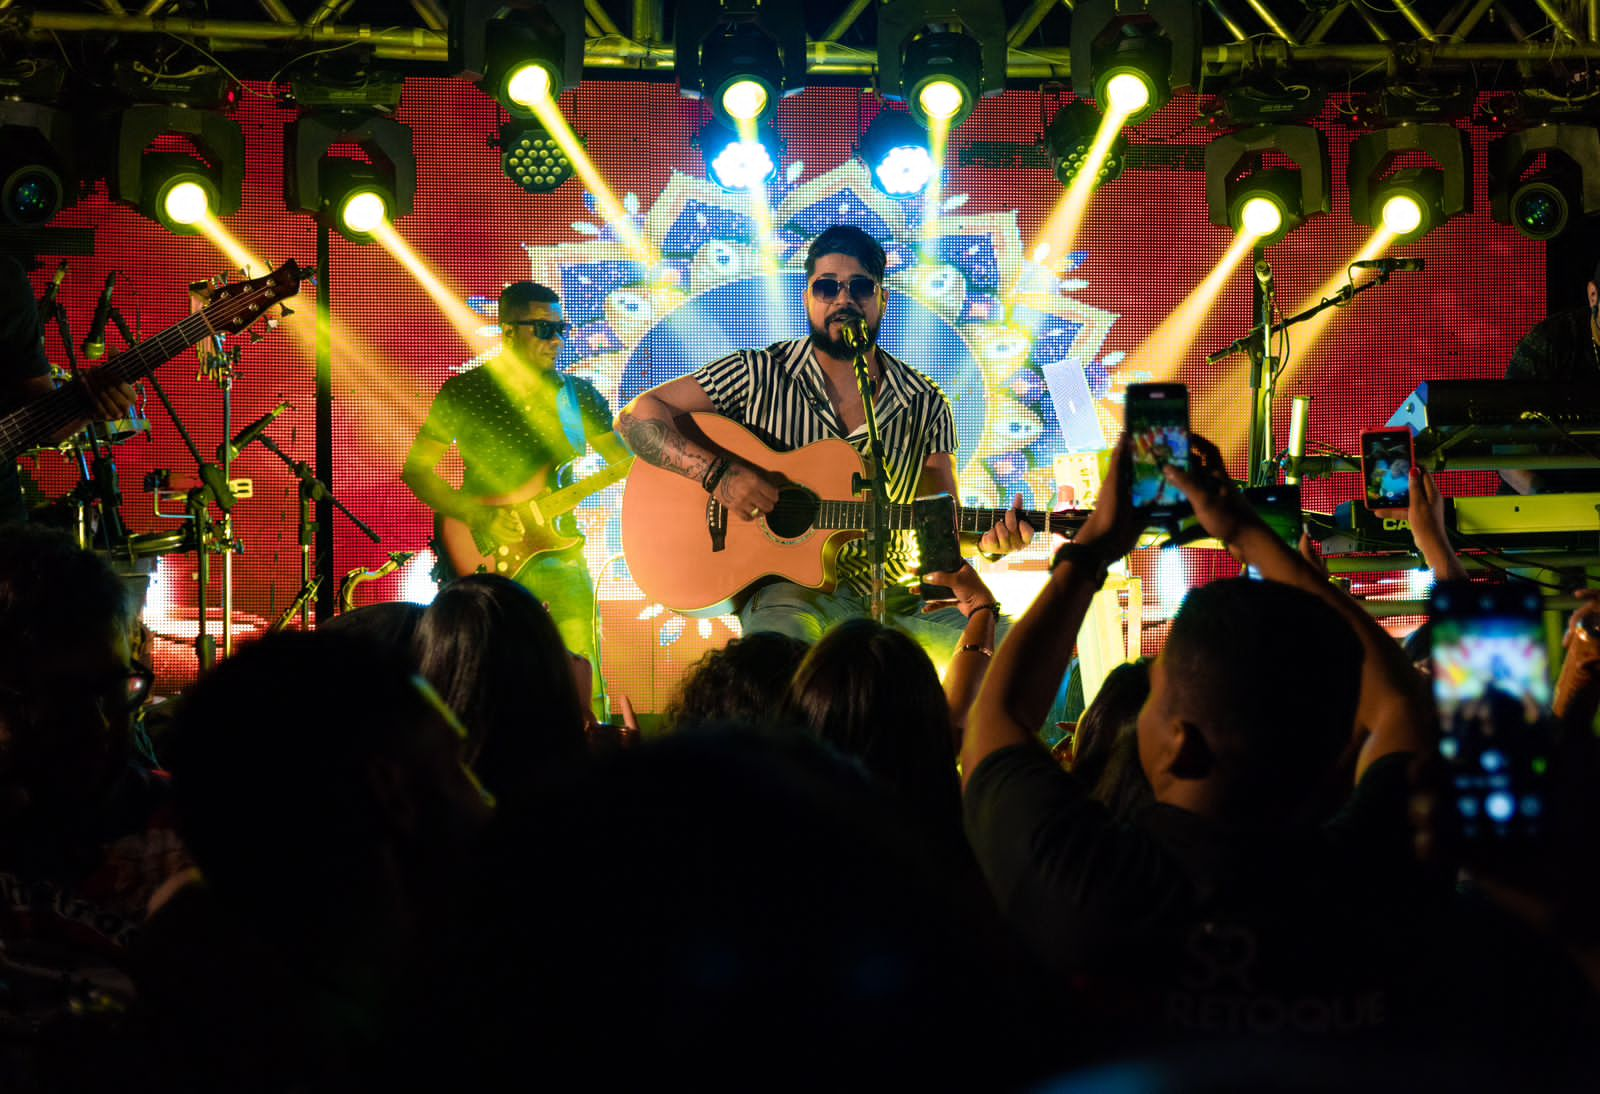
{"x": 836, "y": 347}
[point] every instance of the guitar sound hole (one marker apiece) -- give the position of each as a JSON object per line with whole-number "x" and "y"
{"x": 795, "y": 513}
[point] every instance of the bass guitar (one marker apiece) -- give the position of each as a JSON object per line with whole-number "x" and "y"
{"x": 685, "y": 550}
{"x": 232, "y": 309}
{"x": 540, "y": 529}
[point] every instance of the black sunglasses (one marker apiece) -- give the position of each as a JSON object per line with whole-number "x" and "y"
{"x": 542, "y": 328}
{"x": 861, "y": 288}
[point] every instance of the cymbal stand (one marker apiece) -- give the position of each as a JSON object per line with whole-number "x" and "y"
{"x": 220, "y": 364}
{"x": 213, "y": 488}
{"x": 312, "y": 491}
{"x": 98, "y": 470}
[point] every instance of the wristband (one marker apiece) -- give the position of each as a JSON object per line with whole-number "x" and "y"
{"x": 991, "y": 606}
{"x": 714, "y": 473}
{"x": 985, "y": 650}
{"x": 1085, "y": 555}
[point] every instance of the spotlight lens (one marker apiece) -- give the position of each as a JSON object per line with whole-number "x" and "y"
{"x": 528, "y": 86}
{"x": 905, "y": 170}
{"x": 186, "y": 203}
{"x": 32, "y": 197}
{"x": 364, "y": 211}
{"x": 1260, "y": 216}
{"x": 1402, "y": 214}
{"x": 1127, "y": 94}
{"x": 742, "y": 165}
{"x": 941, "y": 100}
{"x": 744, "y": 100}
{"x": 1539, "y": 212}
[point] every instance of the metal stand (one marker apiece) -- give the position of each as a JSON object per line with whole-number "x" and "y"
{"x": 314, "y": 494}
{"x": 97, "y": 471}
{"x": 1266, "y": 369}
{"x": 213, "y": 488}
{"x": 874, "y": 486}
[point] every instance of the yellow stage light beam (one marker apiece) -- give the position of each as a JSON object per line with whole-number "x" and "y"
{"x": 550, "y": 116}
{"x": 1163, "y": 349}
{"x": 468, "y": 324}
{"x": 236, "y": 252}
{"x": 1223, "y": 401}
{"x": 933, "y": 196}
{"x": 1054, "y": 241}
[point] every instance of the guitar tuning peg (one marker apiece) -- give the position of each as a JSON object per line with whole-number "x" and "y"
{"x": 255, "y": 336}
{"x": 287, "y": 311}
{"x": 272, "y": 324}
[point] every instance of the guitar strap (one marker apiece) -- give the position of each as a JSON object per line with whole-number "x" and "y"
{"x": 571, "y": 416}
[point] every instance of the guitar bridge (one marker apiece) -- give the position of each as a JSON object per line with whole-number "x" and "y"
{"x": 717, "y": 523}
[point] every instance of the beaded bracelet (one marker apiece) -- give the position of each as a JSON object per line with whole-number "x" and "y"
{"x": 992, "y": 606}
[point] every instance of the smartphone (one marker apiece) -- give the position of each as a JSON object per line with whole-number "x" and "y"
{"x": 1491, "y": 684}
{"x": 1386, "y": 460}
{"x": 933, "y": 520}
{"x": 1158, "y": 424}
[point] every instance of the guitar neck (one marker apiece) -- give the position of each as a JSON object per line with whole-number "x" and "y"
{"x": 852, "y": 515}
{"x": 45, "y": 416}
{"x": 561, "y": 501}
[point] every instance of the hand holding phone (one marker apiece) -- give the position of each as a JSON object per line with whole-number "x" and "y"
{"x": 1158, "y": 429}
{"x": 1491, "y": 683}
{"x": 1386, "y": 461}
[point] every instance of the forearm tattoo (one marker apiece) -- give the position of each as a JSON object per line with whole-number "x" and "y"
{"x": 657, "y": 443}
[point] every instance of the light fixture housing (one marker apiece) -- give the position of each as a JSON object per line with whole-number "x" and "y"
{"x": 37, "y": 175}
{"x": 1235, "y": 173}
{"x": 940, "y": 58}
{"x": 895, "y": 151}
{"x": 1442, "y": 190}
{"x": 1156, "y": 41}
{"x": 1545, "y": 203}
{"x": 499, "y": 42}
{"x": 1069, "y": 137}
{"x": 320, "y": 184}
{"x": 532, "y": 158}
{"x": 737, "y": 164}
{"x": 741, "y": 56}
{"x": 215, "y": 162}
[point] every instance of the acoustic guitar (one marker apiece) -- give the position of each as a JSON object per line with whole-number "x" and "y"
{"x": 540, "y": 529}
{"x": 232, "y": 309}
{"x": 685, "y": 550}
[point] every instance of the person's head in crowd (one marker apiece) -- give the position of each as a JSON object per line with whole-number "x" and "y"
{"x": 492, "y": 651}
{"x": 1113, "y": 714}
{"x": 393, "y": 623}
{"x": 68, "y": 684}
{"x": 1106, "y": 742}
{"x": 746, "y": 883}
{"x": 1231, "y": 729}
{"x": 871, "y": 692}
{"x": 745, "y": 680}
{"x": 321, "y": 787}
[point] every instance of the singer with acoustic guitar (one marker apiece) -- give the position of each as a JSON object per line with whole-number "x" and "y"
{"x": 796, "y": 394}
{"x": 519, "y": 424}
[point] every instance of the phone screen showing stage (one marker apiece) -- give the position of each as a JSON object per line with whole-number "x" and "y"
{"x": 1386, "y": 468}
{"x": 1158, "y": 426}
{"x": 1491, "y": 683}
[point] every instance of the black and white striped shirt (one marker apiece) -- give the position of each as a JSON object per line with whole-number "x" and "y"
{"x": 779, "y": 393}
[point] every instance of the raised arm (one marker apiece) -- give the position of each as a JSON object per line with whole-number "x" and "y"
{"x": 1394, "y": 707}
{"x": 1022, "y": 680}
{"x": 649, "y": 425}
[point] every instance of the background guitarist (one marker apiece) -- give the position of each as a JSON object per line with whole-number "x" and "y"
{"x": 517, "y": 422}
{"x": 795, "y": 393}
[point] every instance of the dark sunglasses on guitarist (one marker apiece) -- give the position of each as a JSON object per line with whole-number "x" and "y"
{"x": 542, "y": 328}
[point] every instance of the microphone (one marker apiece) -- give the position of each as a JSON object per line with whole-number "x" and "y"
{"x": 229, "y": 451}
{"x": 856, "y": 336}
{"x": 1264, "y": 277}
{"x": 1390, "y": 265}
{"x": 94, "y": 343}
{"x": 47, "y": 302}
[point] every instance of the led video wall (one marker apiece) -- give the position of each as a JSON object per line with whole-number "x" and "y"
{"x": 1034, "y": 357}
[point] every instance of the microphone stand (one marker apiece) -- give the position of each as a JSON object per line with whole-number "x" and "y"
{"x": 1265, "y": 370}
{"x": 875, "y": 485}
{"x": 312, "y": 491}
{"x": 98, "y": 475}
{"x": 214, "y": 488}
